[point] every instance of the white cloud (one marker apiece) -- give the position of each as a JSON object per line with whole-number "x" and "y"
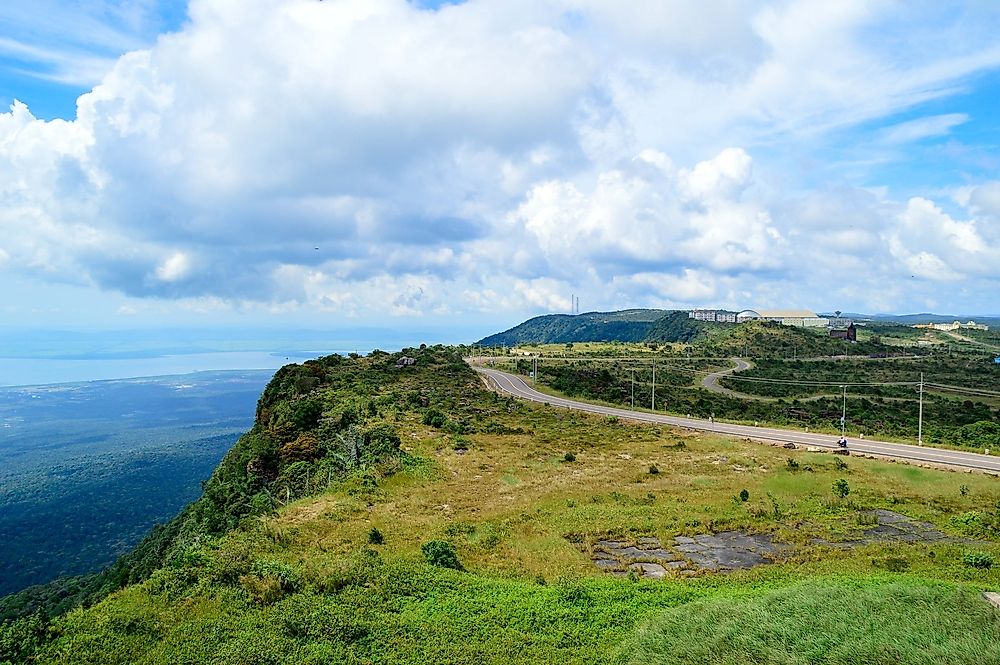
{"x": 174, "y": 268}
{"x": 985, "y": 200}
{"x": 367, "y": 156}
{"x": 921, "y": 128}
{"x": 638, "y": 219}
{"x": 934, "y": 245}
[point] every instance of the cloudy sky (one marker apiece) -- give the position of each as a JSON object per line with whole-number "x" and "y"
{"x": 383, "y": 161}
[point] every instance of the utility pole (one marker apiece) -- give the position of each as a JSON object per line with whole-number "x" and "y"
{"x": 843, "y": 417}
{"x": 633, "y": 390}
{"x": 920, "y": 417}
{"x": 534, "y": 370}
{"x": 653, "y": 402}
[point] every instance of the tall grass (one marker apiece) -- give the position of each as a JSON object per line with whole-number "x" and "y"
{"x": 833, "y": 622}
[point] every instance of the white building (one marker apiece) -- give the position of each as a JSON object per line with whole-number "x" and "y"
{"x": 955, "y": 325}
{"x": 802, "y": 318}
{"x": 715, "y": 315}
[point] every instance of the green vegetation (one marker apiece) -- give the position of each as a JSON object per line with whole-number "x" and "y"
{"x": 441, "y": 553}
{"x": 826, "y": 622}
{"x": 403, "y": 514}
{"x": 630, "y": 325}
{"x": 795, "y": 380}
{"x": 87, "y": 469}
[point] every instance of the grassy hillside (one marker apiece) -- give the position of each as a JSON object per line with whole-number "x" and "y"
{"x": 677, "y": 327}
{"x": 767, "y": 339}
{"x": 390, "y": 514}
{"x": 754, "y": 338}
{"x": 315, "y": 422}
{"x": 630, "y": 325}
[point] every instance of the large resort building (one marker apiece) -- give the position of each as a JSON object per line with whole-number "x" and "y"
{"x": 802, "y": 318}
{"x": 796, "y": 317}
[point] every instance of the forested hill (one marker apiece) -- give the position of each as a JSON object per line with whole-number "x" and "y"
{"x": 629, "y": 325}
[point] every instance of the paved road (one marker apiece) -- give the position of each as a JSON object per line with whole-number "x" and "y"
{"x": 516, "y": 386}
{"x": 711, "y": 382}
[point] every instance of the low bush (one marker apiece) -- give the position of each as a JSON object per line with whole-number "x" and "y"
{"x": 441, "y": 553}
{"x": 978, "y": 559}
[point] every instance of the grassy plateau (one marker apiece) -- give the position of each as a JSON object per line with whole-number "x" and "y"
{"x": 387, "y": 513}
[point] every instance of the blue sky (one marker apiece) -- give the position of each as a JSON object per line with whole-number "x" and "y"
{"x": 360, "y": 162}
{"x": 53, "y": 51}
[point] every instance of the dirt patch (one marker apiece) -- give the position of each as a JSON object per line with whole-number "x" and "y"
{"x": 725, "y": 551}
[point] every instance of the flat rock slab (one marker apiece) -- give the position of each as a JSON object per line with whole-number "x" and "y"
{"x": 992, "y": 598}
{"x": 895, "y": 527}
{"x": 649, "y": 558}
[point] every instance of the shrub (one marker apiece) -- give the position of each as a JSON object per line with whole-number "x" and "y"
{"x": 289, "y": 577}
{"x": 867, "y": 519}
{"x": 792, "y": 465}
{"x": 269, "y": 580}
{"x": 653, "y": 470}
{"x": 978, "y": 559}
{"x": 841, "y": 488}
{"x": 963, "y": 490}
{"x": 569, "y": 457}
{"x": 375, "y": 537}
{"x": 441, "y": 553}
{"x": 744, "y": 495}
{"x": 434, "y": 418}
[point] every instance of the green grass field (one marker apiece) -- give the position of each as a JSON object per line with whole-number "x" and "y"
{"x": 306, "y": 585}
{"x": 521, "y": 493}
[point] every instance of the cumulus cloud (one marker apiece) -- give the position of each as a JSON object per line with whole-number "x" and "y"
{"x": 372, "y": 156}
{"x": 934, "y": 245}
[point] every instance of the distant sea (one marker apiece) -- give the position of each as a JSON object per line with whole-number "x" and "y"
{"x": 42, "y": 371}
{"x": 40, "y": 357}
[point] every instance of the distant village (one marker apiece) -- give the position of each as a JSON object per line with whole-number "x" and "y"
{"x": 955, "y": 325}
{"x": 838, "y": 326}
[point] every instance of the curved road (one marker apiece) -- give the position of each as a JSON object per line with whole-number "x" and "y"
{"x": 516, "y": 386}
{"x": 711, "y": 382}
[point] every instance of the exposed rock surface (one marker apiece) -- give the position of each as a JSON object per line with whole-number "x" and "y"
{"x": 649, "y": 558}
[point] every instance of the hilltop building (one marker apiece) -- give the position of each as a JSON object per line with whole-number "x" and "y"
{"x": 715, "y": 315}
{"x": 955, "y": 325}
{"x": 801, "y": 318}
